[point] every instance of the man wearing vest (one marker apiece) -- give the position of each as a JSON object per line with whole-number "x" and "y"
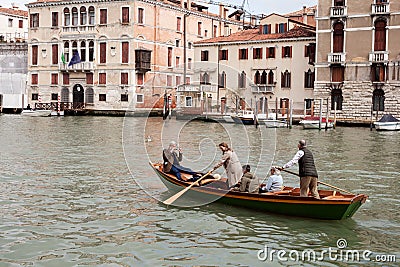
{"x": 307, "y": 171}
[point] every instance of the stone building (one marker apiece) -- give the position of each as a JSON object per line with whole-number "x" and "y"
{"x": 358, "y": 58}
{"x": 124, "y": 51}
{"x": 256, "y": 67}
{"x": 13, "y": 24}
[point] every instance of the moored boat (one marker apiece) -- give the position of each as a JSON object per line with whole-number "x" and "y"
{"x": 332, "y": 205}
{"x": 387, "y": 123}
{"x": 313, "y": 123}
{"x": 36, "y": 112}
{"x": 271, "y": 123}
{"x": 246, "y": 117}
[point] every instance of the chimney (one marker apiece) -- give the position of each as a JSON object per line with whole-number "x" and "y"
{"x": 189, "y": 4}
{"x": 14, "y": 6}
{"x": 182, "y": 3}
{"x": 222, "y": 11}
{"x": 305, "y": 15}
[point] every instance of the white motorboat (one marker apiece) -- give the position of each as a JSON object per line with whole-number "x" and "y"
{"x": 36, "y": 112}
{"x": 271, "y": 123}
{"x": 387, "y": 123}
{"x": 313, "y": 123}
{"x": 56, "y": 113}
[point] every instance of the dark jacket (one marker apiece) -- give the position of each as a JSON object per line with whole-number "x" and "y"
{"x": 170, "y": 158}
{"x": 306, "y": 164}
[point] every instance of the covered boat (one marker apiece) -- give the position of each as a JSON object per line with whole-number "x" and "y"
{"x": 387, "y": 123}
{"x": 333, "y": 205}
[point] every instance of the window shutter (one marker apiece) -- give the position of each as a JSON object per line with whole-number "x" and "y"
{"x": 125, "y": 15}
{"x": 89, "y": 78}
{"x": 220, "y": 54}
{"x": 54, "y": 54}
{"x": 282, "y": 80}
{"x": 267, "y": 52}
{"x": 276, "y": 28}
{"x": 290, "y": 51}
{"x": 34, "y": 54}
{"x": 285, "y": 26}
{"x": 103, "y": 51}
{"x": 125, "y": 52}
{"x": 260, "y": 29}
{"x": 283, "y": 51}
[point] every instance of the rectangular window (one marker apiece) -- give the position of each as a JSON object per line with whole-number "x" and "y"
{"x": 20, "y": 24}
{"x": 34, "y": 20}
{"x": 139, "y": 98}
{"x": 34, "y": 54}
{"x": 102, "y": 78}
{"x": 177, "y": 62}
{"x": 54, "y": 96}
{"x": 140, "y": 16}
{"x": 243, "y": 53}
{"x": 337, "y": 73}
{"x": 103, "y": 53}
{"x": 199, "y": 28}
{"x": 34, "y": 79}
{"x": 169, "y": 80}
{"x": 89, "y": 78}
{"x": 54, "y": 54}
{"x": 125, "y": 15}
{"x": 215, "y": 31}
{"x": 124, "y": 97}
{"x": 102, "y": 97}
{"x": 266, "y": 29}
{"x": 178, "y": 24}
{"x": 187, "y": 80}
{"x": 10, "y": 23}
{"x": 280, "y": 28}
{"x": 189, "y": 63}
{"x": 338, "y": 2}
{"x": 66, "y": 78}
{"x": 286, "y": 51}
{"x": 271, "y": 52}
{"x": 54, "y": 19}
{"x": 103, "y": 16}
{"x": 140, "y": 79}
{"x": 35, "y": 96}
{"x": 378, "y": 73}
{"x": 257, "y": 53}
{"x": 177, "y": 80}
{"x": 125, "y": 52}
{"x": 54, "y": 78}
{"x": 205, "y": 33}
{"x": 188, "y": 101}
{"x": 169, "y": 57}
{"x": 177, "y": 43}
{"x": 204, "y": 55}
{"x": 124, "y": 78}
{"x": 223, "y": 54}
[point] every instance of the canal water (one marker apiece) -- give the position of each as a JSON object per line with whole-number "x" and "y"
{"x": 78, "y": 191}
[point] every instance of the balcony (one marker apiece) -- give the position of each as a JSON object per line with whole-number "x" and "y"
{"x": 338, "y": 11}
{"x": 379, "y": 56}
{"x": 262, "y": 88}
{"x": 380, "y": 9}
{"x": 142, "y": 60}
{"x": 83, "y": 28}
{"x": 208, "y": 88}
{"x": 197, "y": 88}
{"x": 82, "y": 66}
{"x": 337, "y": 58}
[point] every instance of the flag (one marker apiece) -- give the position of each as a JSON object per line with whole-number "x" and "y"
{"x": 63, "y": 58}
{"x": 75, "y": 59}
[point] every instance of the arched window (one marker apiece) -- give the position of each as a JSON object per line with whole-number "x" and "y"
{"x": 205, "y": 78}
{"x": 66, "y": 52}
{"x": 74, "y": 47}
{"x": 74, "y": 16}
{"x": 67, "y": 17}
{"x": 222, "y": 80}
{"x": 264, "y": 77}
{"x": 91, "y": 15}
{"x": 83, "y": 51}
{"x": 271, "y": 77}
{"x": 378, "y": 100}
{"x": 257, "y": 77}
{"x": 286, "y": 79}
{"x": 91, "y": 51}
{"x": 338, "y": 37}
{"x": 380, "y": 35}
{"x": 64, "y": 95}
{"x": 242, "y": 80}
{"x": 336, "y": 97}
{"x": 83, "y": 15}
{"x": 309, "y": 78}
{"x": 89, "y": 94}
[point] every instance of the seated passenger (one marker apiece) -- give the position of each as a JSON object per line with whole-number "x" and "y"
{"x": 249, "y": 182}
{"x": 274, "y": 182}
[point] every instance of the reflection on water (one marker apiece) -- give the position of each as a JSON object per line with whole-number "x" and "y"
{"x": 68, "y": 199}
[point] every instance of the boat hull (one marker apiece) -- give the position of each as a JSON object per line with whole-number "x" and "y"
{"x": 315, "y": 124}
{"x": 275, "y": 124}
{"x": 36, "y": 113}
{"x": 327, "y": 209}
{"x": 387, "y": 126}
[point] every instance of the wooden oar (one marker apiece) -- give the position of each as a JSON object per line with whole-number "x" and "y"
{"x": 334, "y": 187}
{"x": 172, "y": 199}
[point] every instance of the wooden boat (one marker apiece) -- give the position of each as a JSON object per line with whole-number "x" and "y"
{"x": 313, "y": 123}
{"x": 332, "y": 205}
{"x": 387, "y": 123}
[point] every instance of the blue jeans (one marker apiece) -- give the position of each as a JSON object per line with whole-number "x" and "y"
{"x": 176, "y": 170}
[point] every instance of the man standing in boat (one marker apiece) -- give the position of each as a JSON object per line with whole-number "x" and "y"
{"x": 307, "y": 171}
{"x": 231, "y": 164}
{"x": 172, "y": 157}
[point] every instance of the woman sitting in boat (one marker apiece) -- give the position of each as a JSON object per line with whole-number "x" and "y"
{"x": 231, "y": 164}
{"x": 172, "y": 157}
{"x": 274, "y": 182}
{"x": 249, "y": 182}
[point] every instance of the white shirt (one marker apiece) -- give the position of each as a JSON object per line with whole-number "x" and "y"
{"x": 295, "y": 159}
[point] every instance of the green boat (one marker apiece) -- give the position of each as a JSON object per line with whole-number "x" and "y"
{"x": 333, "y": 205}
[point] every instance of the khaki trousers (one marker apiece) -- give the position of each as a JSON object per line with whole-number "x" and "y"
{"x": 309, "y": 182}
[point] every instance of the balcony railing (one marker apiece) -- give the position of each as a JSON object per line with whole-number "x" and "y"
{"x": 197, "y": 88}
{"x": 379, "y": 56}
{"x": 208, "y": 88}
{"x": 379, "y": 9}
{"x": 81, "y": 66}
{"x": 262, "y": 88}
{"x": 336, "y": 58}
{"x": 84, "y": 28}
{"x": 338, "y": 11}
